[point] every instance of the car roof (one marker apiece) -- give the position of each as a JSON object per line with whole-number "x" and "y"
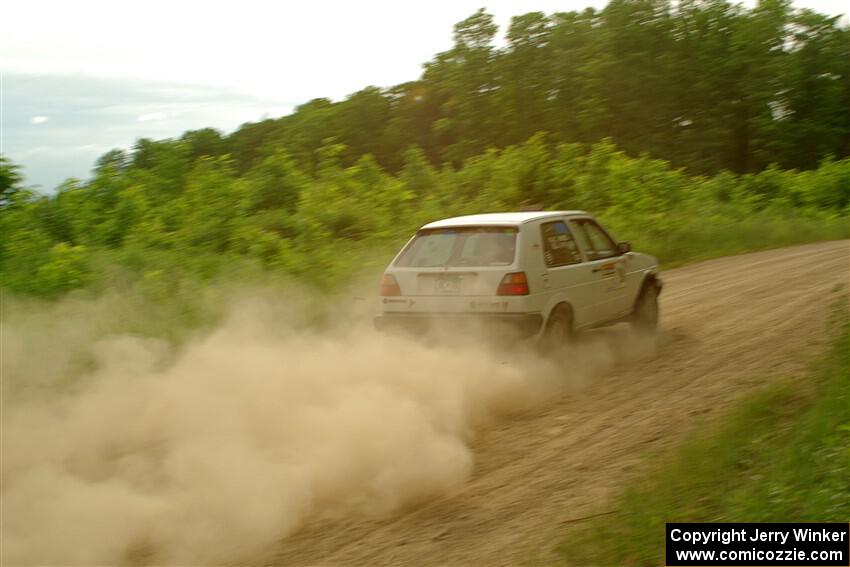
{"x": 499, "y": 219}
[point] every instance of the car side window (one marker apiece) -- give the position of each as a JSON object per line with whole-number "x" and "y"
{"x": 582, "y": 239}
{"x": 594, "y": 240}
{"x": 559, "y": 246}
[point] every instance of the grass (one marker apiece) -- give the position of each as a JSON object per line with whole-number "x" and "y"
{"x": 706, "y": 240}
{"x": 782, "y": 456}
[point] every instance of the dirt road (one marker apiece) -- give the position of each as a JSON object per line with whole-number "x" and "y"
{"x": 728, "y": 326}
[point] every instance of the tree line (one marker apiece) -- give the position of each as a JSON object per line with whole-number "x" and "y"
{"x": 705, "y": 84}
{"x": 192, "y": 219}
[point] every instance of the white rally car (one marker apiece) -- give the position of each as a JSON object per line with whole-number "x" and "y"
{"x": 544, "y": 274}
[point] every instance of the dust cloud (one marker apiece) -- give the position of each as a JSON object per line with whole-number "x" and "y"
{"x": 129, "y": 450}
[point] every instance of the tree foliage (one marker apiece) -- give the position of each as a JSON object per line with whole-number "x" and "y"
{"x": 704, "y": 84}
{"x": 326, "y": 226}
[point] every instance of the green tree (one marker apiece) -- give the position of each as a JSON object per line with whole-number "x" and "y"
{"x": 10, "y": 181}
{"x": 465, "y": 79}
{"x": 526, "y": 78}
{"x": 204, "y": 142}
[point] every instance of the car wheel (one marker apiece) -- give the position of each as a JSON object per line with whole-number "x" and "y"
{"x": 559, "y": 329}
{"x": 645, "y": 315}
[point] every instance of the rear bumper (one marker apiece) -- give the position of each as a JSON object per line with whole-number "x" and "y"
{"x": 517, "y": 325}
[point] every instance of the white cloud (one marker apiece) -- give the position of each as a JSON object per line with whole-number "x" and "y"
{"x": 282, "y": 51}
{"x": 38, "y": 119}
{"x": 286, "y": 51}
{"x": 150, "y": 116}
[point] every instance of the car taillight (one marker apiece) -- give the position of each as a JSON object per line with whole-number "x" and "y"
{"x": 513, "y": 284}
{"x": 389, "y": 286}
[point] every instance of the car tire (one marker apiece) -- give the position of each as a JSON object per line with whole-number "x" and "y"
{"x": 559, "y": 329}
{"x": 645, "y": 314}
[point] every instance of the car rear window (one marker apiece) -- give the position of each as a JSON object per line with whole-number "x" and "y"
{"x": 474, "y": 246}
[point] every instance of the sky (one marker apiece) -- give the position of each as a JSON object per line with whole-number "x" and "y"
{"x": 80, "y": 78}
